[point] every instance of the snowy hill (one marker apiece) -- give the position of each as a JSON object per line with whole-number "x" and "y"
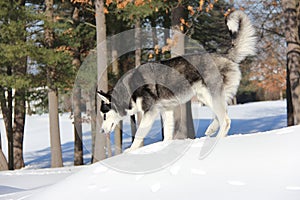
{"x": 260, "y": 165}
{"x": 255, "y": 166}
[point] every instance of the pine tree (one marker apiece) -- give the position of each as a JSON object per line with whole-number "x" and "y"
{"x": 16, "y": 45}
{"x": 208, "y": 27}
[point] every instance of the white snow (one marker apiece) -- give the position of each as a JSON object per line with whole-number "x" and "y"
{"x": 262, "y": 165}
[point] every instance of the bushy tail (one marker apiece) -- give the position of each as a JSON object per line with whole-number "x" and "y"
{"x": 243, "y": 35}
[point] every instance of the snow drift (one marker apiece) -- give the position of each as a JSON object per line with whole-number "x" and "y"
{"x": 255, "y": 166}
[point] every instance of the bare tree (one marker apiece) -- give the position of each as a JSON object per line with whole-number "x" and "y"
{"x": 13, "y": 105}
{"x": 291, "y": 9}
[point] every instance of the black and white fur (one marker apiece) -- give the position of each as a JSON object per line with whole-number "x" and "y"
{"x": 156, "y": 88}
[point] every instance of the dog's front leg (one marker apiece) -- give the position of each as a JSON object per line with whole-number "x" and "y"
{"x": 143, "y": 129}
{"x": 212, "y": 128}
{"x": 168, "y": 120}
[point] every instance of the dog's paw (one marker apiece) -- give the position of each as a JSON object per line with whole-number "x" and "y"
{"x": 130, "y": 149}
{"x": 127, "y": 150}
{"x": 209, "y": 133}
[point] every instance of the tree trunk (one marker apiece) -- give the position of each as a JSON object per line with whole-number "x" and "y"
{"x": 116, "y": 72}
{"x": 18, "y": 128}
{"x": 114, "y": 56}
{"x": 154, "y": 38}
{"x": 78, "y": 146}
{"x": 292, "y": 16}
{"x": 9, "y": 128}
{"x": 138, "y": 50}
{"x": 56, "y": 152}
{"x": 100, "y": 139}
{"x": 138, "y": 57}
{"x": 289, "y": 106}
{"x": 6, "y": 107}
{"x": 3, "y": 161}
{"x": 298, "y": 18}
{"x": 93, "y": 120}
{"x": 118, "y": 138}
{"x": 157, "y": 58}
{"x": 166, "y": 26}
{"x": 184, "y": 127}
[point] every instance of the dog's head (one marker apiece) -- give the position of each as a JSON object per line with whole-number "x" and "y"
{"x": 109, "y": 115}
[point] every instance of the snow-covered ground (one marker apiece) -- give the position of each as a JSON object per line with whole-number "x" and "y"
{"x": 261, "y": 165}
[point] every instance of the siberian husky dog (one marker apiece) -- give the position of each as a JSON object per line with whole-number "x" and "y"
{"x": 158, "y": 87}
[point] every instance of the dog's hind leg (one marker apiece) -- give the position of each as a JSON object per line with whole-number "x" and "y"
{"x": 143, "y": 129}
{"x": 205, "y": 97}
{"x": 168, "y": 122}
{"x": 225, "y": 126}
{"x": 218, "y": 105}
{"x": 215, "y": 100}
{"x": 220, "y": 109}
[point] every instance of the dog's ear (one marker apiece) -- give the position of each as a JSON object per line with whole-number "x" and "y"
{"x": 103, "y": 96}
